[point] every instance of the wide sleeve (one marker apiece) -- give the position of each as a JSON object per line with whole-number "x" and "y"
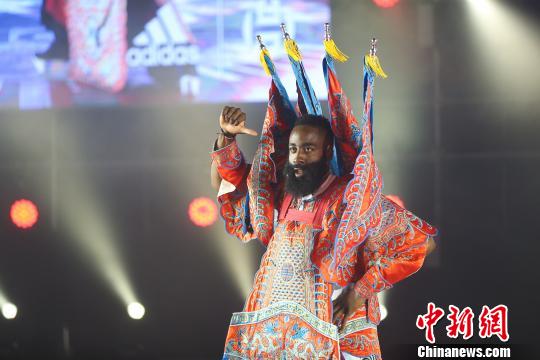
{"x": 394, "y": 250}
{"x": 230, "y": 164}
{"x": 233, "y": 197}
{"x": 362, "y": 201}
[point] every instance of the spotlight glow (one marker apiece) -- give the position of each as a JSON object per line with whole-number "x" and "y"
{"x": 84, "y": 214}
{"x": 483, "y": 7}
{"x": 136, "y": 310}
{"x": 385, "y": 4}
{"x": 9, "y": 311}
{"x": 203, "y": 211}
{"x": 239, "y": 260}
{"x": 382, "y": 304}
{"x": 384, "y": 312}
{"x": 397, "y": 200}
{"x": 495, "y": 23}
{"x": 24, "y": 213}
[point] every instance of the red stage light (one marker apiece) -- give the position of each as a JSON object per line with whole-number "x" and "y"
{"x": 203, "y": 211}
{"x": 24, "y": 213}
{"x": 397, "y": 200}
{"x": 386, "y": 4}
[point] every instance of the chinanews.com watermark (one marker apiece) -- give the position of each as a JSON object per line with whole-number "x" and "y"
{"x": 492, "y": 322}
{"x": 462, "y": 352}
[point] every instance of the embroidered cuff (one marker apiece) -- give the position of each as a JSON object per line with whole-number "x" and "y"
{"x": 229, "y": 157}
{"x": 366, "y": 290}
{"x": 362, "y": 289}
{"x": 370, "y": 283}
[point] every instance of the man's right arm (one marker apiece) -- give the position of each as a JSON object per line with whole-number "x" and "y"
{"x": 227, "y": 160}
{"x": 221, "y": 142}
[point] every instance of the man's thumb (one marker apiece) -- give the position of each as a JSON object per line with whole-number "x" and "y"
{"x": 249, "y": 132}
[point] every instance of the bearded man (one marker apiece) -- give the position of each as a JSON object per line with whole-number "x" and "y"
{"x": 313, "y": 197}
{"x": 289, "y": 313}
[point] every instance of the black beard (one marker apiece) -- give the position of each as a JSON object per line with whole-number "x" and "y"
{"x": 312, "y": 177}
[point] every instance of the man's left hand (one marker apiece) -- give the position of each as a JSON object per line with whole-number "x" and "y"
{"x": 345, "y": 305}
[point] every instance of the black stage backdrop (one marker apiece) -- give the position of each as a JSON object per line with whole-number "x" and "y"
{"x": 456, "y": 136}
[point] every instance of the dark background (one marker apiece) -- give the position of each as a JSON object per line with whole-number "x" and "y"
{"x": 456, "y": 136}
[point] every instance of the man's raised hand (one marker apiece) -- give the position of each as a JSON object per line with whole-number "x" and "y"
{"x": 233, "y": 121}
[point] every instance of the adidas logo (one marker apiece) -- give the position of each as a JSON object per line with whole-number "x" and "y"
{"x": 165, "y": 41}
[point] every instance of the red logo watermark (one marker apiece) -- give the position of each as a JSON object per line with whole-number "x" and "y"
{"x": 429, "y": 320}
{"x": 491, "y": 322}
{"x": 494, "y": 322}
{"x": 461, "y": 322}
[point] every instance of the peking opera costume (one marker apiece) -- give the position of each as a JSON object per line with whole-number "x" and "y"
{"x": 346, "y": 234}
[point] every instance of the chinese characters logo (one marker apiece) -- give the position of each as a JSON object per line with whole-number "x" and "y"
{"x": 491, "y": 322}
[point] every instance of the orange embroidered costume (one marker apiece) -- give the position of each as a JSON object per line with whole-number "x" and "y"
{"x": 345, "y": 234}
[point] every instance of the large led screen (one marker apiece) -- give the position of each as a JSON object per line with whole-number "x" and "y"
{"x": 64, "y": 53}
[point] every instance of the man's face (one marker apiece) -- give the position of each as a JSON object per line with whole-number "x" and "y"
{"x": 306, "y": 146}
{"x": 308, "y": 160}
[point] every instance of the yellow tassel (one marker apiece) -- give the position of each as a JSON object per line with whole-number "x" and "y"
{"x": 373, "y": 62}
{"x": 332, "y": 50}
{"x": 263, "y": 52}
{"x": 292, "y": 49}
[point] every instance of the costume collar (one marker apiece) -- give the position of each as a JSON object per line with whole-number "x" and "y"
{"x": 322, "y": 188}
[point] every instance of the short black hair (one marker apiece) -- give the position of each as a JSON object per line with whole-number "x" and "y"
{"x": 316, "y": 121}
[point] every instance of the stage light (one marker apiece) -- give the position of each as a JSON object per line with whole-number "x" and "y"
{"x": 94, "y": 234}
{"x": 396, "y": 199}
{"x": 498, "y": 22}
{"x": 239, "y": 259}
{"x": 203, "y": 211}
{"x": 484, "y": 7}
{"x": 135, "y": 310}
{"x": 24, "y": 213}
{"x": 384, "y": 312}
{"x": 385, "y": 4}
{"x": 382, "y": 304}
{"x": 9, "y": 311}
